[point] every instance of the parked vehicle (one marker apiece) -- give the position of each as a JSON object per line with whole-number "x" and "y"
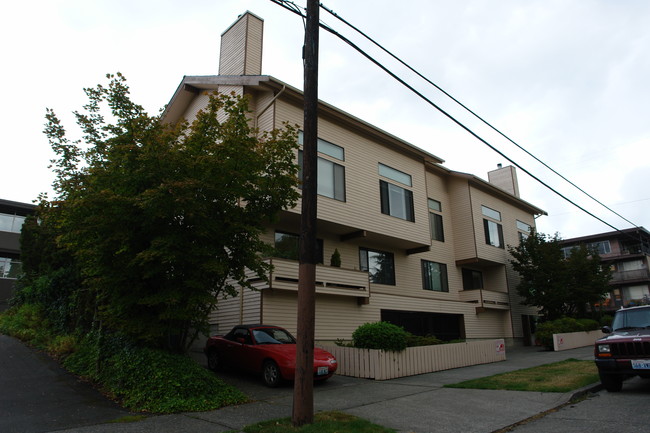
{"x": 266, "y": 350}
{"x": 625, "y": 351}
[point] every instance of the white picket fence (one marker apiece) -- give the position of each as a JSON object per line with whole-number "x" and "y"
{"x": 381, "y": 365}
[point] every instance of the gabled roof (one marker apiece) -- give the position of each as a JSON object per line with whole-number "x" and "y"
{"x": 193, "y": 85}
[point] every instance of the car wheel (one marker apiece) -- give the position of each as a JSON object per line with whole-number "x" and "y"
{"x": 271, "y": 374}
{"x": 612, "y": 383}
{"x": 214, "y": 361}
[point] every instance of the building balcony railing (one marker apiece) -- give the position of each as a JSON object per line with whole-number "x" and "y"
{"x": 635, "y": 275}
{"x": 486, "y": 299}
{"x": 330, "y": 280}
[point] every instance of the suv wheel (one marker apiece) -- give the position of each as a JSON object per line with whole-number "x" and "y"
{"x": 612, "y": 383}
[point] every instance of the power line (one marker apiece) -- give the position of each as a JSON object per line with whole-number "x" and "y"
{"x": 291, "y": 6}
{"x": 334, "y": 14}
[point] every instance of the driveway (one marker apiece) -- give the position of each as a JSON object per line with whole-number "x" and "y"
{"x": 36, "y": 395}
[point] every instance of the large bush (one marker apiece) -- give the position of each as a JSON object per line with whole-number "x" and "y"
{"x": 380, "y": 335}
{"x": 150, "y": 380}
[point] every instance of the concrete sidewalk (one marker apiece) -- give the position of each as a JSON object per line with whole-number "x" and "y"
{"x": 416, "y": 404}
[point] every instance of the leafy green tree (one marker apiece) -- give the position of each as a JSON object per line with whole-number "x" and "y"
{"x": 558, "y": 286}
{"x": 163, "y": 219}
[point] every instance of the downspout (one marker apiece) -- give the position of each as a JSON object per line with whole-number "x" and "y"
{"x": 268, "y": 105}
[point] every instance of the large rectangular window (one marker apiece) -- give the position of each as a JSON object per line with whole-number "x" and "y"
{"x": 396, "y": 201}
{"x": 11, "y": 223}
{"x": 331, "y": 178}
{"x": 287, "y": 246}
{"x": 435, "y": 220}
{"x": 434, "y": 276}
{"x": 380, "y": 265}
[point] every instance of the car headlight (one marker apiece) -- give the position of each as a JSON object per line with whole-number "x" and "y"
{"x": 604, "y": 348}
{"x": 332, "y": 361}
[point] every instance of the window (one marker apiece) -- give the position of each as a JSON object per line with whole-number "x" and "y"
{"x": 493, "y": 230}
{"x": 9, "y": 268}
{"x": 396, "y": 175}
{"x": 472, "y": 280}
{"x": 396, "y": 201}
{"x": 379, "y": 265}
{"x": 434, "y": 276}
{"x": 601, "y": 247}
{"x": 444, "y": 326}
{"x": 435, "y": 221}
{"x": 331, "y": 178}
{"x": 287, "y": 246}
{"x": 523, "y": 230}
{"x": 11, "y": 223}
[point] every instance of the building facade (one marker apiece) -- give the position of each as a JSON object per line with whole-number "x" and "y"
{"x": 12, "y": 216}
{"x": 420, "y": 245}
{"x": 626, "y": 252}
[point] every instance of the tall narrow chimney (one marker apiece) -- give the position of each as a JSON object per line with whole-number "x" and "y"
{"x": 505, "y": 178}
{"x": 241, "y": 46}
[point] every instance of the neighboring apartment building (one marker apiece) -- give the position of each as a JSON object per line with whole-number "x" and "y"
{"x": 626, "y": 252}
{"x": 12, "y": 216}
{"x": 421, "y": 246}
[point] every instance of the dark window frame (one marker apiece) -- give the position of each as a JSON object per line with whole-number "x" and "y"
{"x": 364, "y": 265}
{"x": 384, "y": 193}
{"x": 427, "y": 274}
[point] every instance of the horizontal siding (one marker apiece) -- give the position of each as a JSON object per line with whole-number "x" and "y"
{"x": 254, "y": 32}
{"x": 362, "y": 208}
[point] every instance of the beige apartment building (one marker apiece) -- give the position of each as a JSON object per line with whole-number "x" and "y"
{"x": 420, "y": 245}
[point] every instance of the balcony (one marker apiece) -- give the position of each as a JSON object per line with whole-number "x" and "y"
{"x": 486, "y": 299}
{"x": 329, "y": 280}
{"x": 636, "y": 275}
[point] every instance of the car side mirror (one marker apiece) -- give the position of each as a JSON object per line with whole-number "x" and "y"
{"x": 241, "y": 340}
{"x": 606, "y": 330}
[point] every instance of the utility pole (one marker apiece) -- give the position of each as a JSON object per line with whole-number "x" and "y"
{"x": 303, "y": 391}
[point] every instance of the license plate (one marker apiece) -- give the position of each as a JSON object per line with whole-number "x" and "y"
{"x": 641, "y": 364}
{"x": 324, "y": 370}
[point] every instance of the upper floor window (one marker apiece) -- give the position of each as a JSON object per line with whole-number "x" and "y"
{"x": 523, "y": 230}
{"x": 380, "y": 266}
{"x": 472, "y": 280}
{"x": 396, "y": 200}
{"x": 493, "y": 230}
{"x": 434, "y": 276}
{"x": 287, "y": 246}
{"x": 326, "y": 148}
{"x": 435, "y": 220}
{"x": 602, "y": 247}
{"x": 396, "y": 175}
{"x": 331, "y": 176}
{"x": 11, "y": 223}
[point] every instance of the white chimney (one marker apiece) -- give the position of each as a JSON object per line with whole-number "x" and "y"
{"x": 505, "y": 178}
{"x": 241, "y": 46}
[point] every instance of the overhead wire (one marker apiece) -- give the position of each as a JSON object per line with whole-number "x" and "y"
{"x": 334, "y": 14}
{"x": 291, "y": 6}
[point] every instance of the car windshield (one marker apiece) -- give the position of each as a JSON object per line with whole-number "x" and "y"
{"x": 272, "y": 336}
{"x": 632, "y": 319}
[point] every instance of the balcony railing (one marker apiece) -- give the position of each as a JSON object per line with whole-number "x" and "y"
{"x": 486, "y": 299}
{"x": 329, "y": 279}
{"x": 635, "y": 275}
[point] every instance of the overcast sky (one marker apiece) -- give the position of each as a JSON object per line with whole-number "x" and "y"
{"x": 565, "y": 79}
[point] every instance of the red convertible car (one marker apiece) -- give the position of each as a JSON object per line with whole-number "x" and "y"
{"x": 265, "y": 349}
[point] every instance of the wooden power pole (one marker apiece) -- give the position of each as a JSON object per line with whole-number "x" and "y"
{"x": 303, "y": 392}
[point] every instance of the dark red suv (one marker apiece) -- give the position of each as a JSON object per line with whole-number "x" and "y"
{"x": 625, "y": 351}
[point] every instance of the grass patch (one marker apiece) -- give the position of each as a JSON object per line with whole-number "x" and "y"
{"x": 324, "y": 422}
{"x": 561, "y": 376}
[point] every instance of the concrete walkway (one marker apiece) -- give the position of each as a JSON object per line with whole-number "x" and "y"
{"x": 416, "y": 404}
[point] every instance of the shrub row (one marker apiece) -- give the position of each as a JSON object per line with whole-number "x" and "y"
{"x": 545, "y": 330}
{"x": 388, "y": 337}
